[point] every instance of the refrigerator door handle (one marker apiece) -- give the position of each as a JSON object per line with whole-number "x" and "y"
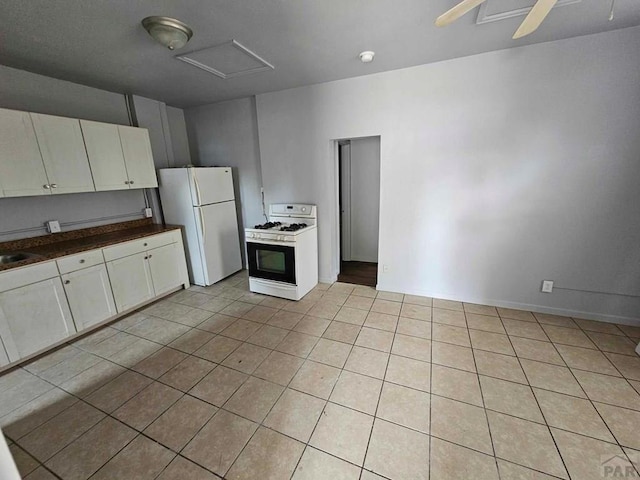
{"x": 195, "y": 182}
{"x": 204, "y": 227}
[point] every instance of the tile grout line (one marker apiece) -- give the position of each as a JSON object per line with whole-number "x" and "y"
{"x": 308, "y": 443}
{"x": 548, "y": 428}
{"x": 484, "y": 405}
{"x": 375, "y": 414}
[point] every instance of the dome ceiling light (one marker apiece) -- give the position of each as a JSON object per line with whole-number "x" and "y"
{"x": 167, "y": 31}
{"x": 367, "y": 57}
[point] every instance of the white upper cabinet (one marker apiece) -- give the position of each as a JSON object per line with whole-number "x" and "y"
{"x": 105, "y": 155}
{"x": 63, "y": 153}
{"x": 44, "y": 154}
{"x": 21, "y": 169}
{"x": 136, "y": 148}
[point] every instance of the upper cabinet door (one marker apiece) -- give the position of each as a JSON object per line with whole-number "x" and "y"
{"x": 21, "y": 170}
{"x": 137, "y": 156}
{"x": 105, "y": 155}
{"x": 63, "y": 153}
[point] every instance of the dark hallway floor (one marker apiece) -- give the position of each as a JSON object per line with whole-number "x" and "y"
{"x": 360, "y": 273}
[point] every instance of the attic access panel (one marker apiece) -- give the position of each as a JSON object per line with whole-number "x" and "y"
{"x": 227, "y": 60}
{"x": 495, "y": 10}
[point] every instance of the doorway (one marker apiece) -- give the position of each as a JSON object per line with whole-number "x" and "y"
{"x": 359, "y": 209}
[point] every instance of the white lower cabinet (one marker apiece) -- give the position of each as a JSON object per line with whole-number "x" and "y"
{"x": 130, "y": 280}
{"x": 34, "y": 317}
{"x": 45, "y": 303}
{"x": 89, "y": 294}
{"x": 165, "y": 268}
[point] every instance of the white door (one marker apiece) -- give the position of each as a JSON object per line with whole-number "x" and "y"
{"x": 130, "y": 281}
{"x": 220, "y": 245}
{"x": 136, "y": 148}
{"x": 34, "y": 317}
{"x": 345, "y": 202}
{"x": 106, "y": 159}
{"x": 89, "y": 294}
{"x": 165, "y": 270}
{"x": 211, "y": 185}
{"x": 21, "y": 169}
{"x": 63, "y": 153}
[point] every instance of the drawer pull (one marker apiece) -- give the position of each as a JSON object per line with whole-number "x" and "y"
{"x": 145, "y": 244}
{"x": 131, "y": 182}
{"x": 54, "y": 185}
{"x": 46, "y": 186}
{"x": 67, "y": 282}
{"x": 82, "y": 260}
{"x": 150, "y": 256}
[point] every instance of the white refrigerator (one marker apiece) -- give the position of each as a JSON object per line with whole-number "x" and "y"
{"x": 202, "y": 200}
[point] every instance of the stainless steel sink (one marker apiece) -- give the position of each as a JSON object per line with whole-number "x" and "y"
{"x": 16, "y": 257}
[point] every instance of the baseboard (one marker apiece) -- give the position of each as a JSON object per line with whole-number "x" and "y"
{"x": 328, "y": 279}
{"x": 633, "y": 321}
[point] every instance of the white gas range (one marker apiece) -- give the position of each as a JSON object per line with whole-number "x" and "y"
{"x": 283, "y": 253}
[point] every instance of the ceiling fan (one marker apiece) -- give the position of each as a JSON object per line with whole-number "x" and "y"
{"x": 532, "y": 21}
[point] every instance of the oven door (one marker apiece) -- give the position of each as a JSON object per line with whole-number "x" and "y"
{"x": 272, "y": 262}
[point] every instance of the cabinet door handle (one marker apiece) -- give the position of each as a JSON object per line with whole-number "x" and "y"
{"x": 145, "y": 244}
{"x": 54, "y": 185}
{"x": 130, "y": 182}
{"x": 82, "y": 260}
{"x": 46, "y": 186}
{"x": 150, "y": 256}
{"x": 146, "y": 258}
{"x": 126, "y": 182}
{"x": 67, "y": 282}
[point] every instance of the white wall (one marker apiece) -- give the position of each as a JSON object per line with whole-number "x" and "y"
{"x": 25, "y": 217}
{"x": 226, "y": 134}
{"x": 167, "y": 134}
{"x": 497, "y": 171}
{"x": 179, "y": 138}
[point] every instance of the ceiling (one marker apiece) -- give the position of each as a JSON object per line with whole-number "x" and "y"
{"x": 102, "y": 44}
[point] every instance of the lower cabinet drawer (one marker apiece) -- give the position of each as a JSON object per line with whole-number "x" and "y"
{"x": 137, "y": 246}
{"x": 20, "y": 277}
{"x": 80, "y": 261}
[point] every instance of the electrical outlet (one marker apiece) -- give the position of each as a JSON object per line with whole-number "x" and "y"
{"x": 385, "y": 268}
{"x": 547, "y": 286}
{"x": 53, "y": 226}
{"x": 148, "y": 213}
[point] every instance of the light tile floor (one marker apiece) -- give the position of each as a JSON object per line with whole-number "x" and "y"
{"x": 348, "y": 383}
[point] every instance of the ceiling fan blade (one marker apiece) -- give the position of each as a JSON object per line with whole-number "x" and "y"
{"x": 456, "y": 12}
{"x": 535, "y": 17}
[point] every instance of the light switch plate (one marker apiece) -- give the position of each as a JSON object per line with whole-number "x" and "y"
{"x": 148, "y": 213}
{"x": 53, "y": 226}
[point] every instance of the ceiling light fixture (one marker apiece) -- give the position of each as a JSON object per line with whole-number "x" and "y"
{"x": 367, "y": 57}
{"x": 170, "y": 32}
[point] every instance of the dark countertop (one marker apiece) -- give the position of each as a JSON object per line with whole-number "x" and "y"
{"x": 54, "y": 246}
